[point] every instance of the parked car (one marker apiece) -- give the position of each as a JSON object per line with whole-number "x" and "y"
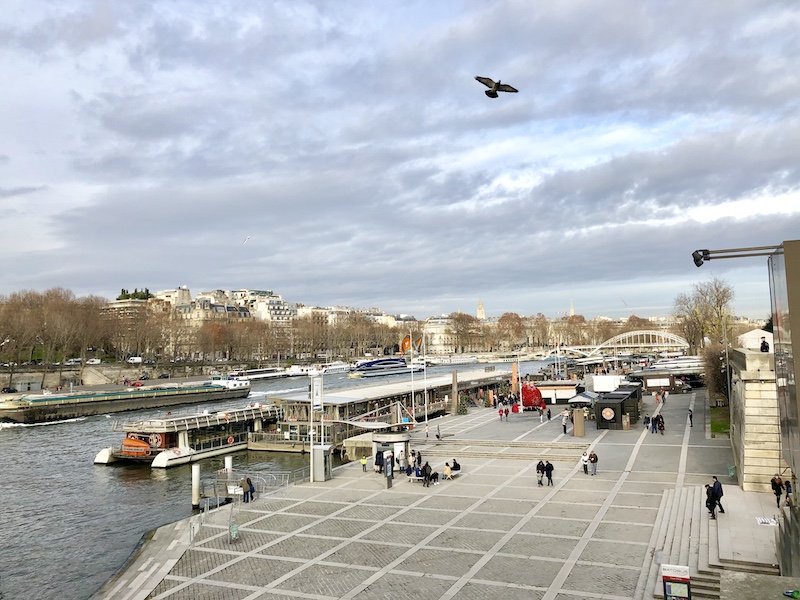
{"x": 137, "y": 384}
{"x": 93, "y": 361}
{"x": 145, "y": 377}
{"x": 9, "y": 390}
{"x": 164, "y": 376}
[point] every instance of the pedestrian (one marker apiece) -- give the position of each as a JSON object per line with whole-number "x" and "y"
{"x": 691, "y": 415}
{"x": 593, "y": 462}
{"x": 419, "y": 458}
{"x": 788, "y": 486}
{"x": 539, "y": 472}
{"x": 252, "y": 489}
{"x": 505, "y": 412}
{"x": 764, "y": 345}
{"x": 500, "y": 412}
{"x": 541, "y": 415}
{"x": 646, "y": 421}
{"x": 664, "y": 397}
{"x": 245, "y": 489}
{"x": 549, "y": 416}
{"x": 777, "y": 488}
{"x": 448, "y": 472}
{"x": 438, "y": 432}
{"x": 585, "y": 463}
{"x": 363, "y": 463}
{"x": 711, "y": 501}
{"x": 427, "y": 430}
{"x": 426, "y": 475}
{"x": 717, "y": 487}
{"x": 653, "y": 424}
{"x": 661, "y": 424}
{"x": 564, "y": 420}
{"x": 548, "y": 470}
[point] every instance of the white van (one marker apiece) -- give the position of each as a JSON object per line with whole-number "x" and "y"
{"x": 72, "y": 362}
{"x": 93, "y": 361}
{"x": 135, "y": 360}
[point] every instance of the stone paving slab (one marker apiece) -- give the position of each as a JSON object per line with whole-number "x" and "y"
{"x": 491, "y": 533}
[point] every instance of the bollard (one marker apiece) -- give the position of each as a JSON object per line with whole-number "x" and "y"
{"x": 195, "y": 486}
{"x": 229, "y": 465}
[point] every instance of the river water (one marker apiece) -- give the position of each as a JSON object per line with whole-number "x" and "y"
{"x": 68, "y": 525}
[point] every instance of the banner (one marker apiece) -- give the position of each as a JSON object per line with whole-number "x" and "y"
{"x": 405, "y": 344}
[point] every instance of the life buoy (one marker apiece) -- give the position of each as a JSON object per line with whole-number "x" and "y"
{"x": 155, "y": 440}
{"x": 230, "y": 440}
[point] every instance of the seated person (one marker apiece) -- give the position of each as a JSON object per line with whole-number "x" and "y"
{"x": 456, "y": 466}
{"x": 447, "y": 472}
{"x": 417, "y": 472}
{"x": 409, "y": 470}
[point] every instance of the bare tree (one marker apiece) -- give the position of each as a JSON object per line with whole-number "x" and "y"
{"x": 510, "y": 329}
{"x": 702, "y": 314}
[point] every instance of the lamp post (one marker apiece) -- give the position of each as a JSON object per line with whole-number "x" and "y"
{"x": 701, "y": 256}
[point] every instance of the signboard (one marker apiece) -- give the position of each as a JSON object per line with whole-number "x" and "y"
{"x": 677, "y": 582}
{"x": 316, "y": 393}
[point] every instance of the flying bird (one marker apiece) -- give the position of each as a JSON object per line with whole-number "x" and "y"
{"x": 245, "y": 240}
{"x": 495, "y": 87}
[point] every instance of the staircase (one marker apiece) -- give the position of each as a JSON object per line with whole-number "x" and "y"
{"x": 552, "y": 451}
{"x": 686, "y": 535}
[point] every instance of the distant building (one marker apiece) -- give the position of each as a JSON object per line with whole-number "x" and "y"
{"x": 480, "y": 313}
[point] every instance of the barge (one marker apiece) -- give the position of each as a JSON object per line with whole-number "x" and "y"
{"x": 182, "y": 439}
{"x": 30, "y": 409}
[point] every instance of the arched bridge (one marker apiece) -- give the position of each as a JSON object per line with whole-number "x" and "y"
{"x": 646, "y": 340}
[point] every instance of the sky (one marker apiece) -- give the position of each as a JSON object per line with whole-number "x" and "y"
{"x": 342, "y": 153}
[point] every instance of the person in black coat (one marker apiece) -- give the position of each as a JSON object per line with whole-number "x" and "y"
{"x": 711, "y": 501}
{"x": 548, "y": 470}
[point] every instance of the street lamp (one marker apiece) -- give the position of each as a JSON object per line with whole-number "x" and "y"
{"x": 700, "y": 256}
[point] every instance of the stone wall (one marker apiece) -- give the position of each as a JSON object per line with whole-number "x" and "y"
{"x": 755, "y": 420}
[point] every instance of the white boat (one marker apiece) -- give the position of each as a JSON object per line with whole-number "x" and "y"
{"x": 337, "y": 366}
{"x": 385, "y": 366}
{"x": 260, "y": 374}
{"x": 451, "y": 360}
{"x": 180, "y": 439}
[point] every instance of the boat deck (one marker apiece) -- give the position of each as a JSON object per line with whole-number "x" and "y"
{"x": 198, "y": 420}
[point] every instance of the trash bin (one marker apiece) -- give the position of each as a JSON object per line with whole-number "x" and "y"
{"x": 732, "y": 471}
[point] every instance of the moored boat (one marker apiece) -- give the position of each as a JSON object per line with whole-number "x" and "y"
{"x": 181, "y": 439}
{"x": 44, "y": 408}
{"x": 385, "y": 366}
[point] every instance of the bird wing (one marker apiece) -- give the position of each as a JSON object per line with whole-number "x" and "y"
{"x": 504, "y": 87}
{"x": 486, "y": 81}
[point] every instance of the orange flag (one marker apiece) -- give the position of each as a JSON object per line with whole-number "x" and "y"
{"x": 405, "y": 344}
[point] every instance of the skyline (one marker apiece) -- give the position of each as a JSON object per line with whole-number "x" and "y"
{"x": 345, "y": 154}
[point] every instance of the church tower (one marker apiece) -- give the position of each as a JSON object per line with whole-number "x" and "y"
{"x": 481, "y": 315}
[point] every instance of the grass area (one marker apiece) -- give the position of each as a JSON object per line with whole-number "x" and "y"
{"x": 720, "y": 421}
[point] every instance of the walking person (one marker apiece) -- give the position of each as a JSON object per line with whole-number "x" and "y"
{"x": 548, "y": 470}
{"x": 500, "y": 412}
{"x": 427, "y": 430}
{"x": 691, "y": 415}
{"x": 777, "y": 488}
{"x": 646, "y": 422}
{"x": 585, "y": 463}
{"x": 661, "y": 424}
{"x": 363, "y": 463}
{"x": 541, "y": 415}
{"x": 539, "y": 473}
{"x": 717, "y": 487}
{"x": 653, "y": 424}
{"x": 426, "y": 475}
{"x": 549, "y": 416}
{"x": 593, "y": 462}
{"x": 711, "y": 501}
{"x": 664, "y": 397}
{"x": 564, "y": 420}
{"x": 505, "y": 412}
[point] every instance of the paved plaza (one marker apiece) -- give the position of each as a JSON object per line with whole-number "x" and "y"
{"x": 490, "y": 533}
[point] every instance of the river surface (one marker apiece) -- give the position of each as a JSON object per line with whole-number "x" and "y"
{"x": 67, "y": 525}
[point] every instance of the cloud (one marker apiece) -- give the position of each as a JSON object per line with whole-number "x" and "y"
{"x": 353, "y": 145}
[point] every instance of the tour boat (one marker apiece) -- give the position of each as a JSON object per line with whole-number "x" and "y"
{"x": 180, "y": 439}
{"x": 385, "y": 366}
{"x": 337, "y": 366}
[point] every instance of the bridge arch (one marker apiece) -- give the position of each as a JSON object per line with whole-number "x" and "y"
{"x": 642, "y": 340}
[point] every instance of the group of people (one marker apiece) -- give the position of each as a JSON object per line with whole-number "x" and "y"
{"x": 654, "y": 423}
{"x": 248, "y": 489}
{"x": 589, "y": 461}
{"x": 714, "y": 497}
{"x": 503, "y": 412}
{"x": 544, "y": 469}
{"x": 778, "y": 487}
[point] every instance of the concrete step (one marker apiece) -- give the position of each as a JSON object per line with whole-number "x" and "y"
{"x": 653, "y": 587}
{"x": 449, "y": 452}
{"x": 512, "y": 444}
